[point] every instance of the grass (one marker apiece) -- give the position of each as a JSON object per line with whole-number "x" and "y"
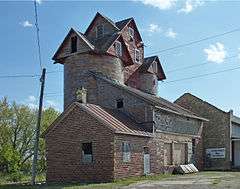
{"x": 113, "y": 185}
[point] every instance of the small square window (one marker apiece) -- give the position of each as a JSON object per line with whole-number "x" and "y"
{"x": 120, "y": 103}
{"x": 118, "y": 48}
{"x": 74, "y": 44}
{"x": 130, "y": 32}
{"x": 126, "y": 152}
{"x": 87, "y": 156}
{"x": 137, "y": 56}
{"x": 100, "y": 31}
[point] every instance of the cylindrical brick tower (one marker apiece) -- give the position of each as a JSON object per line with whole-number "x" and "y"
{"x": 76, "y": 74}
{"x": 148, "y": 83}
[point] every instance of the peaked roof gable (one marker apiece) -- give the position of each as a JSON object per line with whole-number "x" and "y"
{"x": 95, "y": 18}
{"x": 148, "y": 62}
{"x": 79, "y": 35}
{"x": 125, "y": 50}
{"x": 110, "y": 118}
{"x": 124, "y": 23}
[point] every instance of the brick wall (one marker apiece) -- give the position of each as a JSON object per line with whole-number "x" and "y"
{"x": 76, "y": 74}
{"x": 216, "y": 132}
{"x": 64, "y": 153}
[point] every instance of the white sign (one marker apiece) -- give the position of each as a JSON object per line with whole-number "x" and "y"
{"x": 215, "y": 153}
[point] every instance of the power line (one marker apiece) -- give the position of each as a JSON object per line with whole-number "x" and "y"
{"x": 38, "y": 36}
{"x": 202, "y": 75}
{"x": 194, "y": 42}
{"x": 19, "y": 76}
{"x": 26, "y": 75}
{"x": 198, "y": 65}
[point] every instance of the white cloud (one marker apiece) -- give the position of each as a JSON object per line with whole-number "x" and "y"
{"x": 170, "y": 33}
{"x": 216, "y": 53}
{"x": 153, "y": 28}
{"x": 39, "y": 1}
{"x": 161, "y": 4}
{"x": 31, "y": 102}
{"x": 31, "y": 98}
{"x": 51, "y": 103}
{"x": 190, "y": 5}
{"x": 26, "y": 23}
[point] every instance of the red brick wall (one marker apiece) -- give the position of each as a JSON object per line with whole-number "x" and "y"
{"x": 64, "y": 155}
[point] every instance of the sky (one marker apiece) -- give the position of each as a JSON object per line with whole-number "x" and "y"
{"x": 163, "y": 24}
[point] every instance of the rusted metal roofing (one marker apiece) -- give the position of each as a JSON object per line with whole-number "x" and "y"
{"x": 115, "y": 120}
{"x": 157, "y": 102}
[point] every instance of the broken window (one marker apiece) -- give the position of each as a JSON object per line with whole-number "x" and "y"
{"x": 120, "y": 103}
{"x": 73, "y": 44}
{"x": 126, "y": 152}
{"x": 118, "y": 48}
{"x": 87, "y": 155}
{"x": 137, "y": 56}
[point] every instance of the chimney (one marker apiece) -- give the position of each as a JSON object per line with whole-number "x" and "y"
{"x": 81, "y": 95}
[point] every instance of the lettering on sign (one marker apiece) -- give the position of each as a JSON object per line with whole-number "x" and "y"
{"x": 215, "y": 153}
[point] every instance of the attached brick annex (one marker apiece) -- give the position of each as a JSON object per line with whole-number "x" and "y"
{"x": 114, "y": 125}
{"x": 221, "y": 134}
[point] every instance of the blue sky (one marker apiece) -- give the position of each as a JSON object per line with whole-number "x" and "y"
{"x": 162, "y": 23}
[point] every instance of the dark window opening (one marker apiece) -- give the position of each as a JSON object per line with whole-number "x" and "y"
{"x": 87, "y": 156}
{"x": 74, "y": 44}
{"x": 120, "y": 103}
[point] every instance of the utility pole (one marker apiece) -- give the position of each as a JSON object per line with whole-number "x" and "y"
{"x": 36, "y": 144}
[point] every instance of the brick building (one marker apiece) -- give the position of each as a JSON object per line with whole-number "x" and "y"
{"x": 221, "y": 135}
{"x": 113, "y": 125}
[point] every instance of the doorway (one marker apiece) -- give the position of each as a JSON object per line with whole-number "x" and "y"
{"x": 146, "y": 161}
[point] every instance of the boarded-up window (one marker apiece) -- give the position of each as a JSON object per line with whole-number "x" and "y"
{"x": 87, "y": 155}
{"x": 167, "y": 153}
{"x": 126, "y": 152}
{"x": 180, "y": 153}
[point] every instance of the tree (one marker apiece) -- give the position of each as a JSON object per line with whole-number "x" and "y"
{"x": 17, "y": 135}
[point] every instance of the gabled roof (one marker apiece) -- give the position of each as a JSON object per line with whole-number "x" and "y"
{"x": 121, "y": 24}
{"x": 187, "y": 95}
{"x": 113, "y": 119}
{"x": 148, "y": 62}
{"x": 157, "y": 102}
{"x": 100, "y": 15}
{"x": 80, "y": 35}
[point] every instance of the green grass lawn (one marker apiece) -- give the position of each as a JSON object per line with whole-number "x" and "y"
{"x": 4, "y": 184}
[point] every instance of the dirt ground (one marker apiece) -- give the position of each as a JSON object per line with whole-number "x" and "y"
{"x": 203, "y": 180}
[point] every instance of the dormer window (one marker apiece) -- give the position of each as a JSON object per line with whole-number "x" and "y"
{"x": 154, "y": 66}
{"x": 137, "y": 56}
{"x": 131, "y": 32}
{"x": 100, "y": 31}
{"x": 118, "y": 48}
{"x": 74, "y": 44}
